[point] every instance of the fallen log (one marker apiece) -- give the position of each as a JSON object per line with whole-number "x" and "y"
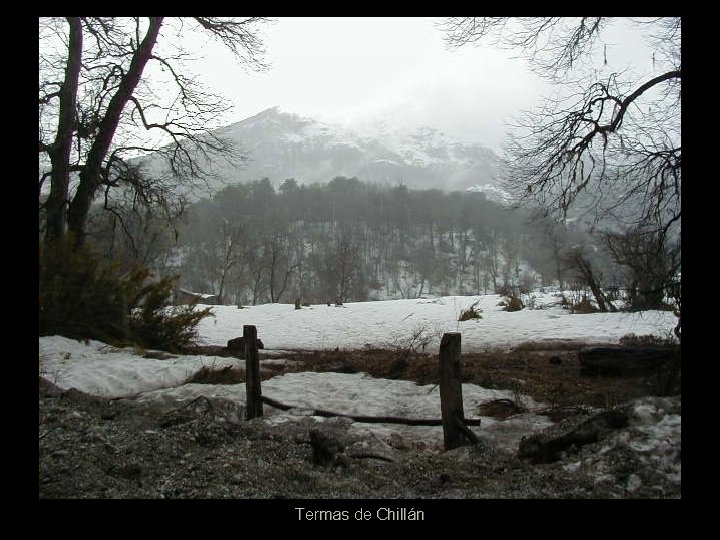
{"x": 548, "y": 447}
{"x": 371, "y": 419}
{"x": 618, "y": 360}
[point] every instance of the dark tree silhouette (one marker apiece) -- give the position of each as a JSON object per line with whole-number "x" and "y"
{"x": 101, "y": 104}
{"x": 613, "y": 145}
{"x": 610, "y": 149}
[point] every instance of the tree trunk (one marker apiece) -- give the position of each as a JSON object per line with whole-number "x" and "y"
{"x": 583, "y": 265}
{"x": 91, "y": 175}
{"x": 59, "y": 152}
{"x": 221, "y": 288}
{"x": 597, "y": 292}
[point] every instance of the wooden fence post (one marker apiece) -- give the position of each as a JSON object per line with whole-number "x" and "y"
{"x": 253, "y": 390}
{"x": 451, "y": 400}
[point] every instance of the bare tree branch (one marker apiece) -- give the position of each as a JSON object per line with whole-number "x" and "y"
{"x": 238, "y": 37}
{"x": 610, "y": 151}
{"x": 554, "y": 45}
{"x": 614, "y": 141}
{"x": 564, "y": 148}
{"x": 117, "y": 111}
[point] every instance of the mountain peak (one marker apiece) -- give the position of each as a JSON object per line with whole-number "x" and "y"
{"x": 276, "y": 113}
{"x": 270, "y": 112}
{"x": 281, "y": 145}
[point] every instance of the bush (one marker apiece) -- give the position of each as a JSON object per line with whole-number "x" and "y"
{"x": 472, "y": 312}
{"x": 420, "y": 337}
{"x": 79, "y": 298}
{"x": 514, "y": 303}
{"x": 584, "y": 306}
{"x": 153, "y": 324}
{"x": 505, "y": 290}
{"x": 82, "y": 298}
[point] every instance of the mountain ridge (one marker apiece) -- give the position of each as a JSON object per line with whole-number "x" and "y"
{"x": 279, "y": 145}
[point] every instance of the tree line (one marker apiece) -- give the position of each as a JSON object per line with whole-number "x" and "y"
{"x": 349, "y": 240}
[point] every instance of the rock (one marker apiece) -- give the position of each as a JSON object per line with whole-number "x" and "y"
{"x": 325, "y": 447}
{"x": 626, "y": 360}
{"x": 460, "y": 454}
{"x": 371, "y": 448}
{"x": 634, "y": 482}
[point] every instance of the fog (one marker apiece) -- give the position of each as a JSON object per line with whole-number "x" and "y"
{"x": 397, "y": 70}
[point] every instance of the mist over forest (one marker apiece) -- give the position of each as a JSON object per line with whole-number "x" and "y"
{"x": 378, "y": 233}
{"x": 349, "y": 240}
{"x": 145, "y": 197}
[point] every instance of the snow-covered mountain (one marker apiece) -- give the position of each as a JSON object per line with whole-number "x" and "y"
{"x": 280, "y": 145}
{"x": 493, "y": 193}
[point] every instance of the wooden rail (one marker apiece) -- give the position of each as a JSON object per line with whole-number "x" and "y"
{"x": 455, "y": 426}
{"x": 368, "y": 419}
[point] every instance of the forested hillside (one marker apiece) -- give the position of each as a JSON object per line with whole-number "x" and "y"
{"x": 348, "y": 240}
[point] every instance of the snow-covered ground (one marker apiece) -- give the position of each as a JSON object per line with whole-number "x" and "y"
{"x": 102, "y": 370}
{"x": 392, "y": 323}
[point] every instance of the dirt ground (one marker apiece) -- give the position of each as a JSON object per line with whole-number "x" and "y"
{"x": 97, "y": 448}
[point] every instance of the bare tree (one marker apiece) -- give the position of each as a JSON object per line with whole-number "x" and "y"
{"x": 612, "y": 145}
{"x": 578, "y": 262}
{"x": 143, "y": 237}
{"x": 231, "y": 239}
{"x": 104, "y": 100}
{"x": 653, "y": 265}
{"x": 279, "y": 262}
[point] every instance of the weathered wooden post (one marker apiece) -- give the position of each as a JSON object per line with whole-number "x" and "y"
{"x": 252, "y": 373}
{"x": 451, "y": 400}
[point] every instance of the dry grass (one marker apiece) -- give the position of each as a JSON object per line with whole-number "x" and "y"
{"x": 547, "y": 371}
{"x": 472, "y": 312}
{"x": 225, "y": 375}
{"x": 526, "y": 370}
{"x": 501, "y": 408}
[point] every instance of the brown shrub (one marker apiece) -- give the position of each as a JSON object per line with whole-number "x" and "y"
{"x": 225, "y": 375}
{"x": 472, "y": 312}
{"x": 514, "y": 303}
{"x": 584, "y": 306}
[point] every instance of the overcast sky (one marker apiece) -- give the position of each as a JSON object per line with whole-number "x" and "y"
{"x": 358, "y": 69}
